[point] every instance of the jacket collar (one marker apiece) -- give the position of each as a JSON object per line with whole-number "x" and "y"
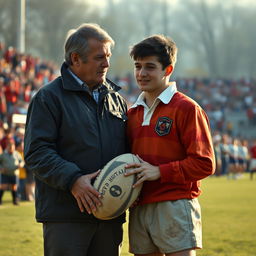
{"x": 71, "y": 84}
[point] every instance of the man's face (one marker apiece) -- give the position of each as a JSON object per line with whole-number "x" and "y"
{"x": 94, "y": 71}
{"x": 150, "y": 75}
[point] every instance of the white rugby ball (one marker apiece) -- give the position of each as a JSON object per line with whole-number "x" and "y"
{"x": 116, "y": 189}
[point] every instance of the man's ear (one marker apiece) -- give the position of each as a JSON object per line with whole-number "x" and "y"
{"x": 75, "y": 58}
{"x": 168, "y": 70}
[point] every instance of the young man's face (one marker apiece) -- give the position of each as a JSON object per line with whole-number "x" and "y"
{"x": 93, "y": 71}
{"x": 150, "y": 75}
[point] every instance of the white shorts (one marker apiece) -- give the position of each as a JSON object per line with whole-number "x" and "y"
{"x": 165, "y": 227}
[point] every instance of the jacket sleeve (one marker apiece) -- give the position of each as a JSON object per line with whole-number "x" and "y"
{"x": 196, "y": 139}
{"x": 40, "y": 144}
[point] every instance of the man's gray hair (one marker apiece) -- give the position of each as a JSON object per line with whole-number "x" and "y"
{"x": 77, "y": 40}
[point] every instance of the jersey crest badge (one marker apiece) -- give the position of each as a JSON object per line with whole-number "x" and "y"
{"x": 163, "y": 125}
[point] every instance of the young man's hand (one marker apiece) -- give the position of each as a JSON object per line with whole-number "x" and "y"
{"x": 144, "y": 170}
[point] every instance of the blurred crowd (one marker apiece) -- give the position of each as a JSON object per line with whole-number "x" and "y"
{"x": 22, "y": 75}
{"x": 234, "y": 156}
{"x": 223, "y": 97}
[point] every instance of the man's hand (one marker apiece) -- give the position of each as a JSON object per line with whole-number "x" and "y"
{"x": 87, "y": 197}
{"x": 144, "y": 170}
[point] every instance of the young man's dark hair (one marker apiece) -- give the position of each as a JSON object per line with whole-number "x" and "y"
{"x": 157, "y": 45}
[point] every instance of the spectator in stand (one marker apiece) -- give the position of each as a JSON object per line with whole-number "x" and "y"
{"x": 253, "y": 159}
{"x": 19, "y": 135}
{"x": 9, "y": 54}
{"x": 224, "y": 149}
{"x": 3, "y": 106}
{"x": 2, "y": 134}
{"x": 217, "y": 151}
{"x": 243, "y": 156}
{"x": 22, "y": 194}
{"x": 233, "y": 167}
{"x": 8, "y": 135}
{"x": 10, "y": 162}
{"x": 27, "y": 93}
{"x": 229, "y": 128}
{"x": 2, "y": 47}
{"x": 11, "y": 95}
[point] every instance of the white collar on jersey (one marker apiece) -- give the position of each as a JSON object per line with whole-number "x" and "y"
{"x": 165, "y": 96}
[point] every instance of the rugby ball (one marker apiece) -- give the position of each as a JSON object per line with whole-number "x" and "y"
{"x": 116, "y": 189}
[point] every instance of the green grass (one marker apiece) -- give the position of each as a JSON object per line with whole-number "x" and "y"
{"x": 229, "y": 221}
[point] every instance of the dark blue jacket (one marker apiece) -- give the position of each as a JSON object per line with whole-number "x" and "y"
{"x": 68, "y": 135}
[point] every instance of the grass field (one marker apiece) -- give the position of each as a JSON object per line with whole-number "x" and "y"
{"x": 229, "y": 222}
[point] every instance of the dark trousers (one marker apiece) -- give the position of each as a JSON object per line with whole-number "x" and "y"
{"x": 82, "y": 239}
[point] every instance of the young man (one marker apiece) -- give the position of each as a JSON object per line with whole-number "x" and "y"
{"x": 171, "y": 135}
{"x": 75, "y": 125}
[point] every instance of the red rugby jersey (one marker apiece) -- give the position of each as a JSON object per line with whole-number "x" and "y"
{"x": 178, "y": 140}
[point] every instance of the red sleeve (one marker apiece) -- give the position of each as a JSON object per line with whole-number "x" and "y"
{"x": 196, "y": 139}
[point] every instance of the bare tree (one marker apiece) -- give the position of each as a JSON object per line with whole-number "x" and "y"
{"x": 9, "y": 21}
{"x": 245, "y": 53}
{"x": 200, "y": 32}
{"x": 50, "y": 20}
{"x": 215, "y": 38}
